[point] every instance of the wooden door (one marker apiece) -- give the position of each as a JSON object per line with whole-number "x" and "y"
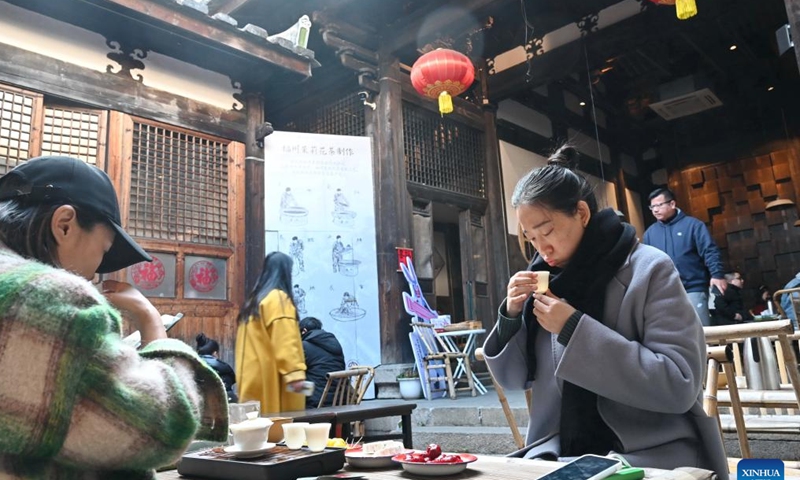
{"x": 182, "y": 198}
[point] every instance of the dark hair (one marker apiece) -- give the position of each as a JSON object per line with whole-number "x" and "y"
{"x": 668, "y": 195}
{"x": 763, "y": 288}
{"x": 731, "y": 276}
{"x": 205, "y": 345}
{"x": 276, "y": 274}
{"x": 310, "y": 323}
{"x": 556, "y": 186}
{"x": 25, "y": 227}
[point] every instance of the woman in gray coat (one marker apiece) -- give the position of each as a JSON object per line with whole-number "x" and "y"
{"x": 613, "y": 350}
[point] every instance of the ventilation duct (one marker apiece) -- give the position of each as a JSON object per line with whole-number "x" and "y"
{"x": 684, "y": 97}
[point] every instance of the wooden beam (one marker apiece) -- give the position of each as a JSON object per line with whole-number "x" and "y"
{"x": 254, "y": 193}
{"x": 406, "y": 31}
{"x": 195, "y": 26}
{"x": 104, "y": 90}
{"x": 495, "y": 220}
{"x": 392, "y": 208}
{"x": 445, "y": 197}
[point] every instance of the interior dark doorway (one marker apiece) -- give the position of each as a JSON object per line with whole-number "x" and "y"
{"x": 448, "y": 283}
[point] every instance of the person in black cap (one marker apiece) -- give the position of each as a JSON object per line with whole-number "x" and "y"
{"x": 77, "y": 401}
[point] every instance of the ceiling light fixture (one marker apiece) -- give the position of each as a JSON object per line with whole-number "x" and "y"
{"x": 779, "y": 203}
{"x": 582, "y": 104}
{"x": 770, "y": 88}
{"x": 733, "y": 47}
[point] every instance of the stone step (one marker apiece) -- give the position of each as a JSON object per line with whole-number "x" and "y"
{"x": 485, "y": 440}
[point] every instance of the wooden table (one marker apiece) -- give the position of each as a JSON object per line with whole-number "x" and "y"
{"x": 343, "y": 415}
{"x": 486, "y": 468}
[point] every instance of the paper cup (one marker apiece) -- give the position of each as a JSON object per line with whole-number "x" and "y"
{"x": 317, "y": 436}
{"x": 542, "y": 281}
{"x": 294, "y": 435}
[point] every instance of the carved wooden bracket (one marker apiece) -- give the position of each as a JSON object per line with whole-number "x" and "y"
{"x": 127, "y": 58}
{"x": 263, "y": 131}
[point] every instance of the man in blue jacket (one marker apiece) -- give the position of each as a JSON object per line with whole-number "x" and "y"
{"x": 786, "y": 302}
{"x": 689, "y": 244}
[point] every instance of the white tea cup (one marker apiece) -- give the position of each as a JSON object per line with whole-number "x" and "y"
{"x": 294, "y": 435}
{"x": 542, "y": 281}
{"x": 317, "y": 436}
{"x": 250, "y": 434}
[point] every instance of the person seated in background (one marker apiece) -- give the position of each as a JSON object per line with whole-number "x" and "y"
{"x": 729, "y": 306}
{"x": 786, "y": 302}
{"x": 323, "y": 355}
{"x": 764, "y": 298}
{"x": 77, "y": 402}
{"x": 208, "y": 349}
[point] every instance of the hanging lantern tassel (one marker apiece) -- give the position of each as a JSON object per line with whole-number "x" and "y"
{"x": 686, "y": 9}
{"x": 445, "y": 103}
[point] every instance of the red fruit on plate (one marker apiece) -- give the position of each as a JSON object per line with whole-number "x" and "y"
{"x": 433, "y": 451}
{"x": 447, "y": 458}
{"x": 418, "y": 457}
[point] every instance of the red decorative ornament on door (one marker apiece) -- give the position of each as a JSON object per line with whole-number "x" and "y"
{"x": 441, "y": 74}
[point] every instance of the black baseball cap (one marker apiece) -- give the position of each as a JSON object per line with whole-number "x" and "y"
{"x": 76, "y": 183}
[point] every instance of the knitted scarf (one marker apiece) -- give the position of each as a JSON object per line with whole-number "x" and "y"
{"x": 604, "y": 247}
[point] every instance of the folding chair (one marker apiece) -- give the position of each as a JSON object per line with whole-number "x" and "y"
{"x": 438, "y": 359}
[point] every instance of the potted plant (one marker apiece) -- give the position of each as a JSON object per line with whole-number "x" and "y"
{"x": 409, "y": 383}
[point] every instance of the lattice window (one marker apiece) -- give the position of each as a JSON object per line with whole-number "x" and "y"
{"x": 17, "y": 116}
{"x": 179, "y": 186}
{"x": 442, "y": 153}
{"x": 73, "y": 132}
{"x": 341, "y": 117}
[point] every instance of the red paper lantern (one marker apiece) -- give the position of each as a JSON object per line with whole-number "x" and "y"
{"x": 442, "y": 73}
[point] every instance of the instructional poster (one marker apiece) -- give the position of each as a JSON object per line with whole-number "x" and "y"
{"x": 319, "y": 209}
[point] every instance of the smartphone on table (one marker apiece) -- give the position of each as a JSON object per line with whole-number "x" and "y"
{"x": 587, "y": 467}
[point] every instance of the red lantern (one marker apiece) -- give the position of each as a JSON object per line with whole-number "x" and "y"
{"x": 442, "y": 73}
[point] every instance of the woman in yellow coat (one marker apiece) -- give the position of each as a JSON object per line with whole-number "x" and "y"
{"x": 269, "y": 351}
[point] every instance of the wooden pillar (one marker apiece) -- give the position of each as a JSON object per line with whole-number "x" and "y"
{"x": 496, "y": 234}
{"x": 793, "y": 14}
{"x": 392, "y": 210}
{"x": 254, "y": 192}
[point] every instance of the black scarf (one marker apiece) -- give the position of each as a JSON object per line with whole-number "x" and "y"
{"x": 604, "y": 247}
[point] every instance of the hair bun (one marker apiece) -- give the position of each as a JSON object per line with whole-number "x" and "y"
{"x": 566, "y": 156}
{"x": 201, "y": 339}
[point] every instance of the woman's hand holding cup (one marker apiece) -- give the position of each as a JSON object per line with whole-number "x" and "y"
{"x": 521, "y": 286}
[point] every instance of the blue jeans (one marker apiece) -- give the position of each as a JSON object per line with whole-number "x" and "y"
{"x": 700, "y": 303}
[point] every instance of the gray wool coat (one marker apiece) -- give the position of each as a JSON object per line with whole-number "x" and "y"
{"x": 646, "y": 363}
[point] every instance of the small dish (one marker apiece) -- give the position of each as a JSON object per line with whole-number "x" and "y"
{"x": 358, "y": 459}
{"x": 435, "y": 469}
{"x": 239, "y": 453}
